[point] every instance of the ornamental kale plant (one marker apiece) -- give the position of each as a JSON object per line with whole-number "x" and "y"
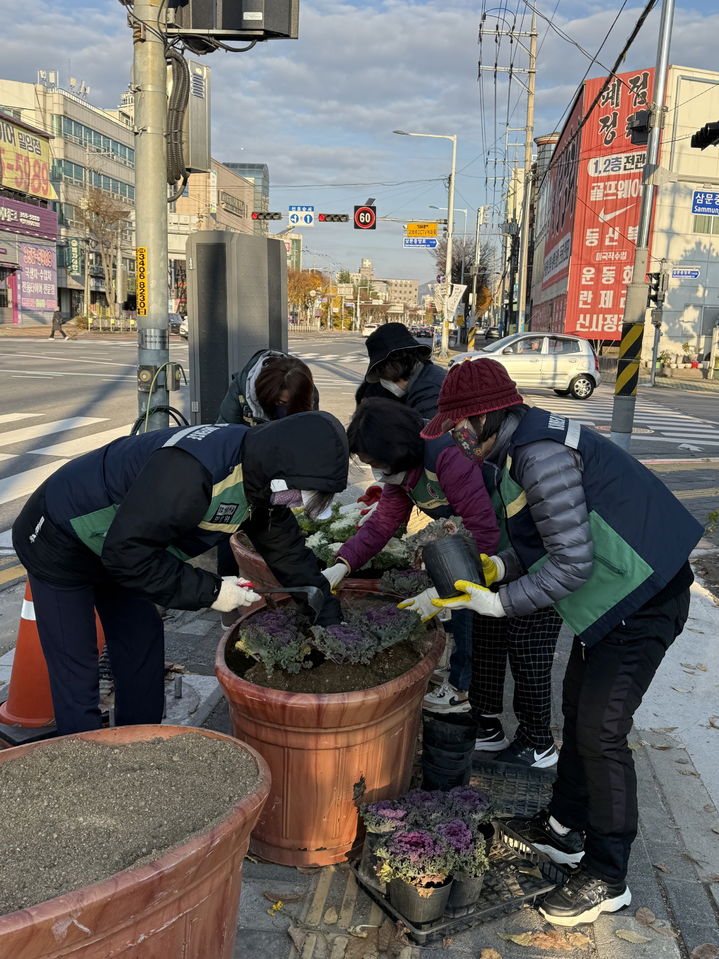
{"x": 416, "y": 856}
{"x": 387, "y": 624}
{"x": 426, "y": 807}
{"x": 345, "y": 644}
{"x": 384, "y": 816}
{"x": 283, "y": 638}
{"x": 276, "y": 638}
{"x": 469, "y": 804}
{"x": 437, "y": 529}
{"x": 472, "y": 861}
{"x": 405, "y": 583}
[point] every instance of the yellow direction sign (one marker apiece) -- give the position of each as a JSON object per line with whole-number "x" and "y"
{"x": 141, "y": 279}
{"x": 421, "y": 229}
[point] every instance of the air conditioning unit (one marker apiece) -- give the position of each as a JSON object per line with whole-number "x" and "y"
{"x": 200, "y": 21}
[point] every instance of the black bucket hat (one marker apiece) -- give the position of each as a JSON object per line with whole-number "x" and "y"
{"x": 389, "y": 339}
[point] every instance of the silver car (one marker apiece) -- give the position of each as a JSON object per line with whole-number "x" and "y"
{"x": 559, "y": 361}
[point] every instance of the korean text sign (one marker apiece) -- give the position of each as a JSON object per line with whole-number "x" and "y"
{"x": 25, "y": 161}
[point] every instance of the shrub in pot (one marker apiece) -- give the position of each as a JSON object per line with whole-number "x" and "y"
{"x": 334, "y": 711}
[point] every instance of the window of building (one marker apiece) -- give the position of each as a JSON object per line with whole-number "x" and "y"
{"x": 4, "y": 292}
{"x": 87, "y": 137}
{"x": 706, "y": 224}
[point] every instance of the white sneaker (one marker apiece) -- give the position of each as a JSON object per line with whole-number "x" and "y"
{"x": 446, "y": 699}
{"x": 439, "y": 677}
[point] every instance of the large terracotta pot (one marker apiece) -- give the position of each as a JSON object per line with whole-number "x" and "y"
{"x": 182, "y": 904}
{"x": 255, "y": 569}
{"x": 325, "y": 751}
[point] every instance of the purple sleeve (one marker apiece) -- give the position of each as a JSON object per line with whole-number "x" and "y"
{"x": 462, "y": 482}
{"x": 392, "y": 511}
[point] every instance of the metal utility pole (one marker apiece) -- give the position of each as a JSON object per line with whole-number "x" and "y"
{"x": 630, "y": 349}
{"x": 150, "y": 80}
{"x": 529, "y": 134}
{"x": 444, "y": 349}
{"x": 472, "y": 330}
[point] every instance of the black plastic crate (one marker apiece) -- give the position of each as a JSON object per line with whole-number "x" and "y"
{"x": 515, "y": 790}
{"x": 518, "y": 875}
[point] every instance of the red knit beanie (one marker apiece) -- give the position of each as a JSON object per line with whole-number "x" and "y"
{"x": 470, "y": 389}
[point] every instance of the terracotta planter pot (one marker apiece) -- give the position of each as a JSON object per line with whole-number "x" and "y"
{"x": 182, "y": 904}
{"x": 325, "y": 751}
{"x": 254, "y": 568}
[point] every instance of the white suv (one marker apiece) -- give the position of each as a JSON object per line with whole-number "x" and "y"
{"x": 562, "y": 362}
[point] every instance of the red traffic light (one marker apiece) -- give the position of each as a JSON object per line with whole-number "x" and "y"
{"x": 264, "y": 215}
{"x": 333, "y": 217}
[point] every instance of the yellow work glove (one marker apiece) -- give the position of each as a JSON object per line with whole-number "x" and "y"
{"x": 492, "y": 569}
{"x": 477, "y": 598}
{"x": 422, "y": 604}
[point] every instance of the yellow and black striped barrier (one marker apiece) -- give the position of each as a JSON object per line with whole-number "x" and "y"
{"x": 630, "y": 351}
{"x": 470, "y": 337}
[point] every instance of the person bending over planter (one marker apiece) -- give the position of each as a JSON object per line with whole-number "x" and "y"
{"x": 270, "y": 386}
{"x": 598, "y": 536}
{"x": 111, "y": 530}
{"x": 438, "y": 480}
{"x": 402, "y": 366}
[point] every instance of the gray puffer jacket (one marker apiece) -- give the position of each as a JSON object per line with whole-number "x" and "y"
{"x": 551, "y": 476}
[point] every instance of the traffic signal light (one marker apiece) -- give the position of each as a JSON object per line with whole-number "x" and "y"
{"x": 333, "y": 217}
{"x": 657, "y": 288}
{"x": 639, "y": 126}
{"x": 708, "y": 136}
{"x": 264, "y": 215}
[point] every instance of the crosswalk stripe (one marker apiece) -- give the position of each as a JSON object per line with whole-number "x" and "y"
{"x": 47, "y": 429}
{"x": 14, "y": 417}
{"x": 84, "y": 443}
{"x": 21, "y": 484}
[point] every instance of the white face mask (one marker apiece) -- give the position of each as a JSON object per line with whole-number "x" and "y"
{"x": 394, "y": 479}
{"x": 393, "y": 388}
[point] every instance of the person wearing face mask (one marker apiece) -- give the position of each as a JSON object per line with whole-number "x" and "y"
{"x": 271, "y": 385}
{"x": 111, "y": 531}
{"x": 527, "y": 642}
{"x": 434, "y": 477}
{"x": 599, "y": 537}
{"x": 402, "y": 367}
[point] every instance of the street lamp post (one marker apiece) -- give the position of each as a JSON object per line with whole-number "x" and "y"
{"x": 444, "y": 350}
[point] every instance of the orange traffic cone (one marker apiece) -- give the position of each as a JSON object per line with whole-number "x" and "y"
{"x": 29, "y": 702}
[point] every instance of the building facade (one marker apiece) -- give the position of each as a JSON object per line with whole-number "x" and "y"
{"x": 91, "y": 149}
{"x": 28, "y": 225}
{"x": 259, "y": 176}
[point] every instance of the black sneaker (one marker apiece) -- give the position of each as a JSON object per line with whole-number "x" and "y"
{"x": 566, "y": 850}
{"x": 583, "y": 898}
{"x": 490, "y": 735}
{"x": 521, "y": 755}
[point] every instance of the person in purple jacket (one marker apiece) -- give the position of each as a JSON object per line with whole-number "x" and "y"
{"x": 438, "y": 479}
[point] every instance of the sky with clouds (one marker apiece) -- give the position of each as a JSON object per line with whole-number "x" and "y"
{"x": 320, "y": 110}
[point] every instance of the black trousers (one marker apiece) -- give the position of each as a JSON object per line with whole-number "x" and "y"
{"x": 135, "y": 641}
{"x": 529, "y": 643}
{"x": 596, "y": 786}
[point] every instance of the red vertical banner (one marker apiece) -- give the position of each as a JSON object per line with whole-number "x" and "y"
{"x": 608, "y": 201}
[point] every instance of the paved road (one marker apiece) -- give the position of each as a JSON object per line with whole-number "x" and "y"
{"x": 61, "y": 398}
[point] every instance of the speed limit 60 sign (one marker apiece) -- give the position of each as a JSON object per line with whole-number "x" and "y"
{"x": 365, "y": 218}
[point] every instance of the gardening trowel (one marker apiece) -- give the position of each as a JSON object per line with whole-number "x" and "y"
{"x": 313, "y": 595}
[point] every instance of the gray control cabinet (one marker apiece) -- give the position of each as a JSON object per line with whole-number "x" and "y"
{"x": 237, "y": 304}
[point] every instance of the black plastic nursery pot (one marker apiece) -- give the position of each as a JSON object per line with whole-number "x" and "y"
{"x": 447, "y": 749}
{"x": 449, "y": 559}
{"x": 419, "y": 904}
{"x": 465, "y": 892}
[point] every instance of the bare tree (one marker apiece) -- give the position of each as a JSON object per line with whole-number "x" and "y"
{"x": 104, "y": 217}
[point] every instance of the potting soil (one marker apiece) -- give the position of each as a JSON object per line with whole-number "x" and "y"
{"x": 79, "y": 812}
{"x": 332, "y": 677}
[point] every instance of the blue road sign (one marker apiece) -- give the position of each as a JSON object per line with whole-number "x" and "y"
{"x": 425, "y": 242}
{"x": 301, "y": 216}
{"x": 686, "y": 273}
{"x": 705, "y": 202}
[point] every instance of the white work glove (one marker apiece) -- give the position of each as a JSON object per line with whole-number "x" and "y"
{"x": 335, "y": 574}
{"x": 422, "y": 604}
{"x": 233, "y": 594}
{"x": 367, "y": 513}
{"x": 477, "y": 598}
{"x": 493, "y": 569}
